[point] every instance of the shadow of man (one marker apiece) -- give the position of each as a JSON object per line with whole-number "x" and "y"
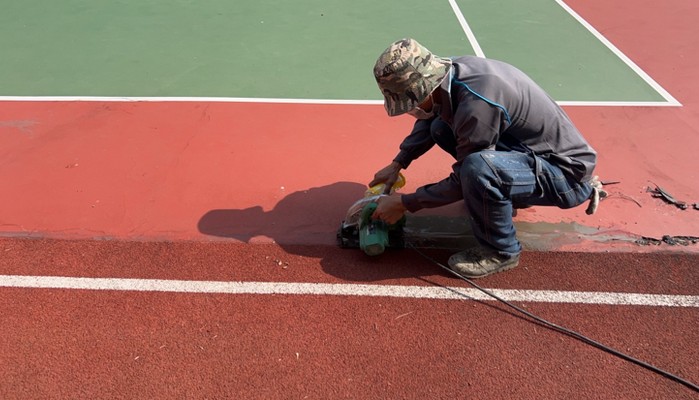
{"x": 305, "y": 223}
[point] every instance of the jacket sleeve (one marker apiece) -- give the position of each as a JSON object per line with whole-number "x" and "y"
{"x": 477, "y": 128}
{"x": 417, "y": 143}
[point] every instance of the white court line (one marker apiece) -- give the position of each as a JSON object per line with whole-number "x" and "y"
{"x": 652, "y": 83}
{"x": 337, "y": 289}
{"x": 126, "y": 99}
{"x": 467, "y": 29}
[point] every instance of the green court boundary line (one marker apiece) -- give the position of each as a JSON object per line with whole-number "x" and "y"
{"x": 126, "y": 99}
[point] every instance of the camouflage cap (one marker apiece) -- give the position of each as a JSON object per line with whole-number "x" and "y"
{"x": 407, "y": 73}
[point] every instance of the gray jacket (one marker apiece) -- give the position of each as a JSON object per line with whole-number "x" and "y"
{"x": 492, "y": 105}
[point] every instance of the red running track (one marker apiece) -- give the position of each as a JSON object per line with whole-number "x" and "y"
{"x": 59, "y": 343}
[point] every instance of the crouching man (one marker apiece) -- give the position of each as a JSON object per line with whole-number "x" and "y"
{"x": 513, "y": 145}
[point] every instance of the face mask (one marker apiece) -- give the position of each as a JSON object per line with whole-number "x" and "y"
{"x": 419, "y": 113}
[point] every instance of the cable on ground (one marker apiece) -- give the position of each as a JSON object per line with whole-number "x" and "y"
{"x": 564, "y": 330}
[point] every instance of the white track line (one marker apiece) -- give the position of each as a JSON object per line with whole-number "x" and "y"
{"x": 126, "y": 99}
{"x": 467, "y": 29}
{"x": 329, "y": 289}
{"x": 621, "y": 55}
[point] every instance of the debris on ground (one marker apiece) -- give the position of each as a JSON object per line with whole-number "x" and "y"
{"x": 668, "y": 239}
{"x": 621, "y": 195}
{"x": 625, "y": 197}
{"x": 658, "y": 192}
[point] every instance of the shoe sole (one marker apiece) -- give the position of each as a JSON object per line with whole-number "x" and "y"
{"x": 501, "y": 269}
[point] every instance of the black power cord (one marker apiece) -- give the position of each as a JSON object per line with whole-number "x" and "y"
{"x": 564, "y": 330}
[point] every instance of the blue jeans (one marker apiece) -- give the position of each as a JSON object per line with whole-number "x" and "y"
{"x": 491, "y": 181}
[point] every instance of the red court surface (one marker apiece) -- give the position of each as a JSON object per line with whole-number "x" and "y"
{"x": 154, "y": 170}
{"x": 228, "y": 192}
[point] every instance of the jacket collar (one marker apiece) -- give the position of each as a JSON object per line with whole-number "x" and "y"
{"x": 446, "y": 111}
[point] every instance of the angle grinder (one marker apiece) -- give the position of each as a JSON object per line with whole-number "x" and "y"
{"x": 371, "y": 235}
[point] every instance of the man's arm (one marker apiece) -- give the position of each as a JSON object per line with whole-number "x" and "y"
{"x": 417, "y": 143}
{"x": 388, "y": 175}
{"x": 476, "y": 128}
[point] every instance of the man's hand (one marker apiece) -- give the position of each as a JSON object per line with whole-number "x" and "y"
{"x": 390, "y": 209}
{"x": 387, "y": 175}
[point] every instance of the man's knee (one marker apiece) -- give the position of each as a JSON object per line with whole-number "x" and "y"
{"x": 473, "y": 166}
{"x": 475, "y": 172}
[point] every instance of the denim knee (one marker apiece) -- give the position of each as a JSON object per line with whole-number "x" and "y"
{"x": 475, "y": 171}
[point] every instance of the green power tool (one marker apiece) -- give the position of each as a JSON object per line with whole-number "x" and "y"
{"x": 376, "y": 235}
{"x": 371, "y": 235}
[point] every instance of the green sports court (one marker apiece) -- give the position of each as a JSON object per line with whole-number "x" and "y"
{"x": 289, "y": 50}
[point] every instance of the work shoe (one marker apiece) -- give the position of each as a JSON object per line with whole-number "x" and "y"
{"x": 597, "y": 194}
{"x": 480, "y": 262}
